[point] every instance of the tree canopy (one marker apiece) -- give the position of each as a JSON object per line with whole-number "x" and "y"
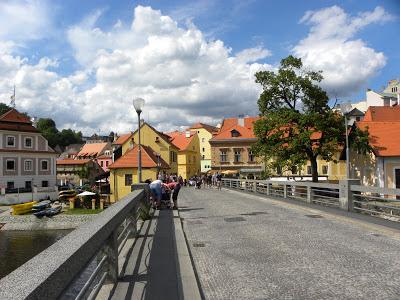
{"x": 48, "y": 129}
{"x": 297, "y": 123}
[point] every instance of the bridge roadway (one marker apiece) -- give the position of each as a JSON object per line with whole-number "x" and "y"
{"x": 249, "y": 247}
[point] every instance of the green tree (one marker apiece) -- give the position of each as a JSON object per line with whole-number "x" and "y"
{"x": 296, "y": 121}
{"x": 48, "y": 129}
{"x": 68, "y": 137}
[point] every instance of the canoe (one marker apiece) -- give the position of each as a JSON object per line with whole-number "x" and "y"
{"x": 48, "y": 212}
{"x": 23, "y": 208}
{"x": 41, "y": 205}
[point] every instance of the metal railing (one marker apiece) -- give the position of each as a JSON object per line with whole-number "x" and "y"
{"x": 347, "y": 195}
{"x": 94, "y": 246}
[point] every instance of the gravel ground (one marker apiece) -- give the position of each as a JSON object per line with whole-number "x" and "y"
{"x": 250, "y": 247}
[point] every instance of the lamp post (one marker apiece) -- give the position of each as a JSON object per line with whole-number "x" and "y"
{"x": 138, "y": 104}
{"x": 345, "y": 108}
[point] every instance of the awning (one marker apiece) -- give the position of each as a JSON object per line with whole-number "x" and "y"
{"x": 255, "y": 170}
{"x": 229, "y": 172}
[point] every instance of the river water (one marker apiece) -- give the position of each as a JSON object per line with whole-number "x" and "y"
{"x": 17, "y": 247}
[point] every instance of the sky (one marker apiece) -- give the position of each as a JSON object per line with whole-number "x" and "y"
{"x": 82, "y": 62}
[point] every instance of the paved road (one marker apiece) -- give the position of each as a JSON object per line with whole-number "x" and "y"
{"x": 249, "y": 247}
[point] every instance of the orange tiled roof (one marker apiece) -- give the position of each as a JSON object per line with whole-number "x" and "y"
{"x": 123, "y": 138}
{"x": 229, "y": 124}
{"x": 71, "y": 161}
{"x": 384, "y": 137}
{"x": 382, "y": 114}
{"x": 180, "y": 140}
{"x": 92, "y": 149}
{"x": 15, "y": 121}
{"x": 207, "y": 127}
{"x": 130, "y": 159}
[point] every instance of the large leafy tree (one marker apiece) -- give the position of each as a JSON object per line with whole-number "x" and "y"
{"x": 297, "y": 123}
{"x": 48, "y": 129}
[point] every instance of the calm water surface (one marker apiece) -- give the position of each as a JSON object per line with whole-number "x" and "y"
{"x": 17, "y": 247}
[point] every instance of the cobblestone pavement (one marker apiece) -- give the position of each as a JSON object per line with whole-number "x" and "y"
{"x": 249, "y": 247}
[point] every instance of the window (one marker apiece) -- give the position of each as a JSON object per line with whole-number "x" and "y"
{"x": 294, "y": 170}
{"x": 235, "y": 133}
{"x": 324, "y": 170}
{"x": 222, "y": 156}
{"x": 203, "y": 140}
{"x": 45, "y": 183}
{"x": 157, "y": 139}
{"x": 44, "y": 165}
{"x": 204, "y": 149}
{"x": 279, "y": 170}
{"x": 101, "y": 163}
{"x": 10, "y": 141}
{"x": 28, "y": 165}
{"x": 203, "y": 157}
{"x": 107, "y": 163}
{"x": 309, "y": 170}
{"x": 10, "y": 184}
{"x": 172, "y": 156}
{"x": 10, "y": 165}
{"x": 28, "y": 142}
{"x": 237, "y": 155}
{"x": 128, "y": 179}
{"x": 251, "y": 156}
{"x": 28, "y": 184}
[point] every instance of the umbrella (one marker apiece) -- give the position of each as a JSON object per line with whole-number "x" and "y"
{"x": 86, "y": 193}
{"x": 230, "y": 172}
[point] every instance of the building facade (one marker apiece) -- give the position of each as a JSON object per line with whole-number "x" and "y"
{"x": 124, "y": 171}
{"x": 78, "y": 171}
{"x": 189, "y": 152}
{"x": 26, "y": 160}
{"x": 205, "y": 134}
{"x": 231, "y": 149}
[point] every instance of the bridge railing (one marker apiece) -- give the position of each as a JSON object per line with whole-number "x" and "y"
{"x": 347, "y": 194}
{"x": 89, "y": 253}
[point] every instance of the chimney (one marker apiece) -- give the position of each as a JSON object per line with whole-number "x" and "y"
{"x": 241, "y": 120}
{"x": 187, "y": 134}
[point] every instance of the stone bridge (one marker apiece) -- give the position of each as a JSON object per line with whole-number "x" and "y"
{"x": 228, "y": 244}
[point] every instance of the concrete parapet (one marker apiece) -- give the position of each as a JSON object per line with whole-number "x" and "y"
{"x": 345, "y": 193}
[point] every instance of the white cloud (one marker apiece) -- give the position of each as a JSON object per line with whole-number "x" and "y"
{"x": 347, "y": 63}
{"x": 22, "y": 20}
{"x": 184, "y": 77}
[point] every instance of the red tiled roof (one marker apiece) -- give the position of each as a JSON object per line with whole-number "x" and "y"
{"x": 14, "y": 116}
{"x": 180, "y": 140}
{"x": 123, "y": 138}
{"x": 382, "y": 114}
{"x": 71, "y": 161}
{"x": 229, "y": 124}
{"x": 384, "y": 137}
{"x": 14, "y": 121}
{"x": 130, "y": 159}
{"x": 207, "y": 127}
{"x": 92, "y": 149}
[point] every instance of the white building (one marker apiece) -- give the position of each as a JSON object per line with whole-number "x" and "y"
{"x": 27, "y": 163}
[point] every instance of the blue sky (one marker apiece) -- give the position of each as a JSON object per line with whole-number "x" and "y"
{"x": 191, "y": 60}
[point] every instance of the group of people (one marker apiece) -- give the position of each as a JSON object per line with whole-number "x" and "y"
{"x": 162, "y": 189}
{"x": 207, "y": 180}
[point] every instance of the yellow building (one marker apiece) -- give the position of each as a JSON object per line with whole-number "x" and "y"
{"x": 123, "y": 172}
{"x": 161, "y": 145}
{"x": 189, "y": 152}
{"x": 205, "y": 134}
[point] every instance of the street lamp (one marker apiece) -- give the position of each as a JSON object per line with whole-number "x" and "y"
{"x": 345, "y": 108}
{"x": 138, "y": 104}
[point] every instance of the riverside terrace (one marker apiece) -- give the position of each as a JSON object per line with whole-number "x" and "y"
{"x": 245, "y": 242}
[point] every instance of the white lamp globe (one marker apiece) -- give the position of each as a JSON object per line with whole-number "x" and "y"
{"x": 138, "y": 104}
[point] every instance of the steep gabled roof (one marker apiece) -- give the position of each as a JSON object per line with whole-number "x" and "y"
{"x": 15, "y": 121}
{"x": 382, "y": 114}
{"x": 92, "y": 149}
{"x": 165, "y": 137}
{"x": 384, "y": 137}
{"x": 229, "y": 124}
{"x": 130, "y": 159}
{"x": 123, "y": 138}
{"x": 207, "y": 127}
{"x": 180, "y": 140}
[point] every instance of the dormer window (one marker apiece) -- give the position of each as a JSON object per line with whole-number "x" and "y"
{"x": 235, "y": 133}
